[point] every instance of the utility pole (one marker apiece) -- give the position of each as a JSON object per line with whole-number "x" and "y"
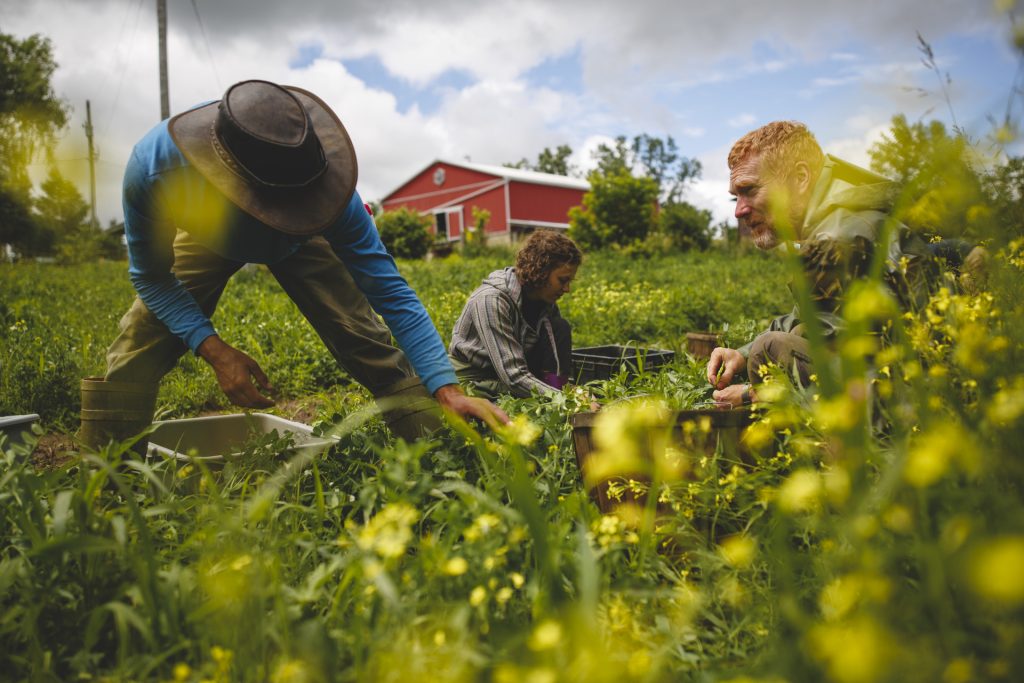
{"x": 161, "y": 26}
{"x": 92, "y": 166}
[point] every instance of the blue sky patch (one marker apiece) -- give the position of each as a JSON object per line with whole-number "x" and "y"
{"x": 371, "y": 70}
{"x": 306, "y": 55}
{"x": 563, "y": 73}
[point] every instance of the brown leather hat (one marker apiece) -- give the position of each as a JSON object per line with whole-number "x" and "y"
{"x": 278, "y": 152}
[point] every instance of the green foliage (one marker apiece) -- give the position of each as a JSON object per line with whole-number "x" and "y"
{"x": 650, "y": 157}
{"x": 30, "y": 116}
{"x": 474, "y": 240}
{"x": 60, "y": 215}
{"x": 619, "y": 210}
{"x": 686, "y": 226}
{"x": 30, "y": 112}
{"x": 555, "y": 162}
{"x": 940, "y": 188}
{"x": 56, "y": 322}
{"x": 549, "y": 161}
{"x": 1004, "y": 191}
{"x": 405, "y": 233}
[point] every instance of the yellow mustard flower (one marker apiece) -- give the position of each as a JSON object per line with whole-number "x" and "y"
{"x": 801, "y": 492}
{"x": 546, "y": 635}
{"x": 389, "y": 531}
{"x": 455, "y": 566}
{"x": 996, "y": 571}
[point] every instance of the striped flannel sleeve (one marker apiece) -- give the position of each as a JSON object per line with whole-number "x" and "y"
{"x": 492, "y": 319}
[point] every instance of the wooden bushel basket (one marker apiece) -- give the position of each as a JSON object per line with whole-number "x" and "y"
{"x": 701, "y": 344}
{"x": 724, "y": 436}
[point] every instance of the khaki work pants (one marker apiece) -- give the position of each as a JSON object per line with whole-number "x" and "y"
{"x": 785, "y": 349}
{"x": 320, "y": 285}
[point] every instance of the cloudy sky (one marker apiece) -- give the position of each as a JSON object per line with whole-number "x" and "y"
{"x": 497, "y": 80}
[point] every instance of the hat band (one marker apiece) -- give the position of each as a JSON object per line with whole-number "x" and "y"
{"x": 269, "y": 164}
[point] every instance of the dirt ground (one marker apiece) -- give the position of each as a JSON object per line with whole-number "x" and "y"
{"x": 54, "y": 449}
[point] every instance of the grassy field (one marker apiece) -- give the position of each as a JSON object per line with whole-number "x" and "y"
{"x": 873, "y": 529}
{"x": 58, "y": 321}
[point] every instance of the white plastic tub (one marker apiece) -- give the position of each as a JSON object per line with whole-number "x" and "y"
{"x": 15, "y": 427}
{"x": 221, "y": 437}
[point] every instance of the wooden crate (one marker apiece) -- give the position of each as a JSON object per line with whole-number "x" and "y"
{"x": 701, "y": 344}
{"x": 724, "y": 436}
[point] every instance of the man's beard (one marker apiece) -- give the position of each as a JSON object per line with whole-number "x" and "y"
{"x": 764, "y": 237}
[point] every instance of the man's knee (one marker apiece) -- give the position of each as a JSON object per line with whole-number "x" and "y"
{"x": 784, "y": 349}
{"x": 409, "y": 410}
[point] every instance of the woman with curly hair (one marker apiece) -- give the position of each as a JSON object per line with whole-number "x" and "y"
{"x": 510, "y": 338}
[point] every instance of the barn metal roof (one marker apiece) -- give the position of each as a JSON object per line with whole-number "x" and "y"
{"x": 521, "y": 174}
{"x": 533, "y": 177}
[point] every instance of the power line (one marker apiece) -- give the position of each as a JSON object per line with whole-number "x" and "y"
{"x": 206, "y": 42}
{"x": 124, "y": 66}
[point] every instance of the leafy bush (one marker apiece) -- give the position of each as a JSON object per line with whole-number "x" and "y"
{"x": 405, "y": 233}
{"x": 618, "y": 210}
{"x": 686, "y": 226}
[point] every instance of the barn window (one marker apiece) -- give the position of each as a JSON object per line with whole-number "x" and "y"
{"x": 449, "y": 222}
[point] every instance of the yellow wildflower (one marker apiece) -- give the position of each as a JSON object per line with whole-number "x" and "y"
{"x": 390, "y": 531}
{"x": 857, "y": 651}
{"x": 800, "y": 492}
{"x": 738, "y": 551}
{"x": 456, "y": 566}
{"x": 546, "y": 635}
{"x": 996, "y": 571}
{"x": 521, "y": 431}
{"x": 292, "y": 671}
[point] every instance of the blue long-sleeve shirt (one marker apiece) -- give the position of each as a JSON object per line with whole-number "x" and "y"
{"x": 164, "y": 193}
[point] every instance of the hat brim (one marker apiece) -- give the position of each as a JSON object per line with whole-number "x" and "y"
{"x": 304, "y": 210}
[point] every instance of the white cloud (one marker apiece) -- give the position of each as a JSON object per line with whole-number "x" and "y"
{"x": 711, "y": 191}
{"x": 742, "y": 120}
{"x": 854, "y": 148}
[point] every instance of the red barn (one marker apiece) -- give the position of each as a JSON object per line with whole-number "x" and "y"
{"x": 518, "y": 201}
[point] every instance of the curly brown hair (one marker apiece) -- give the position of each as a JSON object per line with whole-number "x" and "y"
{"x": 544, "y": 251}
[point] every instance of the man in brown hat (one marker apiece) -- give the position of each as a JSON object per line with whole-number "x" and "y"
{"x": 267, "y": 175}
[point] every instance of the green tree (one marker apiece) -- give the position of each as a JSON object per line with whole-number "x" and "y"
{"x": 940, "y": 189}
{"x": 549, "y": 161}
{"x": 651, "y": 157}
{"x": 30, "y": 116}
{"x": 61, "y": 217}
{"x": 661, "y": 161}
{"x": 1004, "y": 189}
{"x": 405, "y": 233}
{"x": 556, "y": 162}
{"x": 686, "y": 226}
{"x": 615, "y": 158}
{"x": 619, "y": 210}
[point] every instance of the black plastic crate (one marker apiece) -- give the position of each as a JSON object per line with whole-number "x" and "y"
{"x": 601, "y": 362}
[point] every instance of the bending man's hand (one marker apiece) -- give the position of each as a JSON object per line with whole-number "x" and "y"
{"x": 451, "y": 398}
{"x": 734, "y": 396}
{"x": 723, "y": 366}
{"x": 234, "y": 371}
